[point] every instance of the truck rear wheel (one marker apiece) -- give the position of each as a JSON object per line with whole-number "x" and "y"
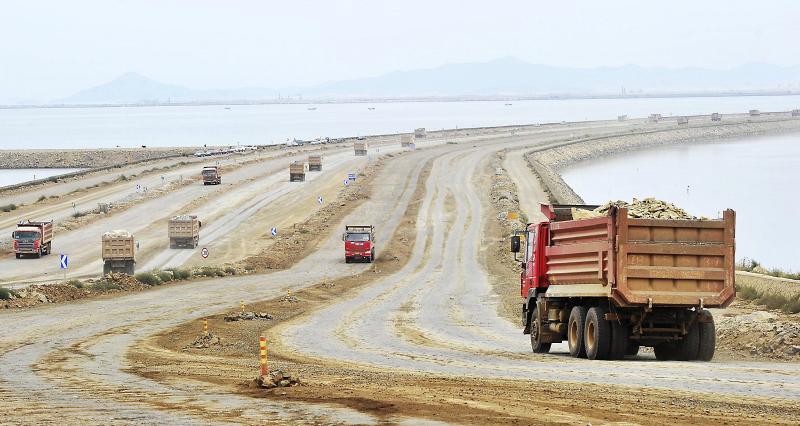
{"x": 708, "y": 339}
{"x": 633, "y": 349}
{"x": 129, "y": 267}
{"x": 575, "y": 327}
{"x": 537, "y": 345}
{"x": 19, "y": 256}
{"x": 689, "y": 347}
{"x": 597, "y": 334}
{"x": 106, "y": 268}
{"x": 619, "y": 341}
{"x": 666, "y": 351}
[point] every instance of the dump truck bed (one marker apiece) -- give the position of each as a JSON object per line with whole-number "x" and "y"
{"x": 643, "y": 262}
{"x": 118, "y": 245}
{"x": 183, "y": 227}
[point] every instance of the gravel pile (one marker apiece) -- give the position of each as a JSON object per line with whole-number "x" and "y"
{"x": 205, "y": 341}
{"x": 649, "y": 208}
{"x": 247, "y": 316}
{"x": 760, "y": 333}
{"x": 277, "y": 379}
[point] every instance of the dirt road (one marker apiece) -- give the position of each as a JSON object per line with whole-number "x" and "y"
{"x": 416, "y": 342}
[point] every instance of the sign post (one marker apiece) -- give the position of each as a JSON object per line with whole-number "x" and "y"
{"x": 63, "y": 260}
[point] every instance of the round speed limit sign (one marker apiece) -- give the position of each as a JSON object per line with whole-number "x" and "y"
{"x": 204, "y": 253}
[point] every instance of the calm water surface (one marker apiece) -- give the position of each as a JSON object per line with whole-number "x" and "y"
{"x": 14, "y": 176}
{"x": 264, "y": 124}
{"x": 758, "y": 177}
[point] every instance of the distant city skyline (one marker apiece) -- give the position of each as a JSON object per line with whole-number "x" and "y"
{"x": 52, "y": 49}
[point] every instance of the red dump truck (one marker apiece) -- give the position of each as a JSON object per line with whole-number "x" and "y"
{"x": 33, "y": 238}
{"x": 359, "y": 243}
{"x": 610, "y": 284}
{"x": 211, "y": 175}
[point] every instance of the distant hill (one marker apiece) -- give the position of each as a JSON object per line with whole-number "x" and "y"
{"x": 501, "y": 77}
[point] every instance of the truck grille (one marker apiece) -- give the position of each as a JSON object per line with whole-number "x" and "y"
{"x": 25, "y": 246}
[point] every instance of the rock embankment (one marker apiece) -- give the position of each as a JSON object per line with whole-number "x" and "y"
{"x": 547, "y": 163}
{"x": 84, "y": 158}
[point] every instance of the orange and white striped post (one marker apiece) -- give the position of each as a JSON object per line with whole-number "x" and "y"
{"x": 262, "y": 348}
{"x": 205, "y": 326}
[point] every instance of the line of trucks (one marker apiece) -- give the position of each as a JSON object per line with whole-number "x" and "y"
{"x": 118, "y": 248}
{"x": 609, "y": 285}
{"x": 297, "y": 169}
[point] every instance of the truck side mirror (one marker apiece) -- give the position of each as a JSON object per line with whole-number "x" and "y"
{"x": 515, "y": 244}
{"x": 344, "y": 237}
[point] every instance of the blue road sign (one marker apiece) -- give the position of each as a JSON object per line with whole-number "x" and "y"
{"x": 64, "y": 261}
{"x": 346, "y": 182}
{"x": 319, "y": 199}
{"x": 274, "y": 231}
{"x": 351, "y": 176}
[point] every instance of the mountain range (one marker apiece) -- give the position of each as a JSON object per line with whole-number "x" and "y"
{"x": 501, "y": 77}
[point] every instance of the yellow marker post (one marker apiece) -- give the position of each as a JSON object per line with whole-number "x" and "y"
{"x": 288, "y": 292}
{"x": 205, "y": 326}
{"x": 262, "y": 349}
{"x": 512, "y": 216}
{"x": 241, "y": 303}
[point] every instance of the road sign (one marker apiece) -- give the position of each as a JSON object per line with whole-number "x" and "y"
{"x": 274, "y": 231}
{"x": 351, "y": 176}
{"x": 346, "y": 182}
{"x": 319, "y": 199}
{"x": 204, "y": 253}
{"x": 64, "y": 261}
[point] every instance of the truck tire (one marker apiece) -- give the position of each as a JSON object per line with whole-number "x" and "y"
{"x": 575, "y": 328}
{"x": 666, "y": 351}
{"x": 19, "y": 255}
{"x": 129, "y": 267}
{"x": 689, "y": 347}
{"x": 619, "y": 340}
{"x": 633, "y": 349}
{"x": 537, "y": 345}
{"x": 708, "y": 339}
{"x": 597, "y": 334}
{"x": 106, "y": 268}
{"x": 346, "y": 259}
{"x": 50, "y": 248}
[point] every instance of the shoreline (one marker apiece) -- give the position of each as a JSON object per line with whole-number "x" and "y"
{"x": 548, "y": 162}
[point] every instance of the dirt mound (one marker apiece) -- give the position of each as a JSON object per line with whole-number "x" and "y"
{"x": 205, "y": 341}
{"x": 247, "y": 316}
{"x": 277, "y": 379}
{"x": 761, "y": 334}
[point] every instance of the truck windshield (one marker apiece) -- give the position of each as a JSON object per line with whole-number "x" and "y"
{"x": 358, "y": 236}
{"x": 26, "y": 235}
{"x": 209, "y": 172}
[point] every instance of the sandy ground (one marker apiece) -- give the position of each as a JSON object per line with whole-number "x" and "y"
{"x": 416, "y": 337}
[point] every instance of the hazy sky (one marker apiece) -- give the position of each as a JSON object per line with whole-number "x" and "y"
{"x": 51, "y": 49}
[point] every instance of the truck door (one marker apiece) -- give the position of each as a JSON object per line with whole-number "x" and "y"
{"x": 527, "y": 276}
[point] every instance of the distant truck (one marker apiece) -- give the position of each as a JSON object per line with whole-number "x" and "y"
{"x": 716, "y": 117}
{"x": 360, "y": 148}
{"x": 420, "y": 133}
{"x": 211, "y": 175}
{"x": 184, "y": 231}
{"x": 796, "y": 113}
{"x": 359, "y": 243}
{"x": 406, "y": 141}
{"x": 610, "y": 284}
{"x": 33, "y": 238}
{"x": 119, "y": 252}
{"x": 683, "y": 120}
{"x": 754, "y": 113}
{"x": 314, "y": 163}
{"x": 297, "y": 172}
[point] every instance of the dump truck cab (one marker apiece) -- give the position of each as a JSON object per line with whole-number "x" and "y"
{"x": 359, "y": 243}
{"x": 211, "y": 175}
{"x": 32, "y": 238}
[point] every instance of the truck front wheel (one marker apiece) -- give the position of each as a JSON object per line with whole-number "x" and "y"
{"x": 576, "y": 324}
{"x": 537, "y": 345}
{"x": 597, "y": 334}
